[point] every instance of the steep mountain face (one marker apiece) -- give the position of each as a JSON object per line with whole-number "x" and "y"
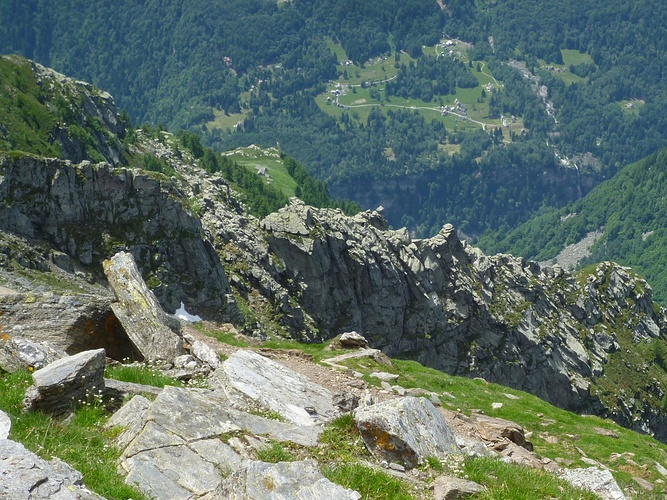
{"x": 447, "y": 305}
{"x": 592, "y": 343}
{"x": 91, "y": 211}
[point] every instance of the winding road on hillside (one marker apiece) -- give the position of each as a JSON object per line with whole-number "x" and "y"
{"x": 437, "y": 110}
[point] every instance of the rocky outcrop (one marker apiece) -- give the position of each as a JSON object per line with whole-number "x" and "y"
{"x": 90, "y": 212}
{"x": 449, "y": 306}
{"x": 73, "y": 380}
{"x": 152, "y": 332}
{"x": 55, "y": 324}
{"x": 162, "y": 440}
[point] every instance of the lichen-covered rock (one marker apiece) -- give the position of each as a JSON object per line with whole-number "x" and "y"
{"x": 67, "y": 382}
{"x": 147, "y": 325}
{"x": 406, "y": 430}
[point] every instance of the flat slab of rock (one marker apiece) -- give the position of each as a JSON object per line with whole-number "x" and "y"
{"x": 600, "y": 481}
{"x": 149, "y": 328}
{"x": 405, "y": 430}
{"x": 67, "y": 382}
{"x": 247, "y": 377}
{"x": 25, "y": 476}
{"x": 264, "y": 481}
{"x": 172, "y": 447}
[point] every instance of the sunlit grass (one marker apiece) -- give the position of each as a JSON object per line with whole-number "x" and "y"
{"x": 80, "y": 441}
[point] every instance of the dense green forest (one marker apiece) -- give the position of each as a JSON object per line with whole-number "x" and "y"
{"x": 262, "y": 64}
{"x": 631, "y": 212}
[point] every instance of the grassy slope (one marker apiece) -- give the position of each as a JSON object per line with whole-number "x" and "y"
{"x": 25, "y": 122}
{"x": 253, "y": 158}
{"x": 556, "y": 434}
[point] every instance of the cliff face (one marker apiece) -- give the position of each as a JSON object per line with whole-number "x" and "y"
{"x": 90, "y": 212}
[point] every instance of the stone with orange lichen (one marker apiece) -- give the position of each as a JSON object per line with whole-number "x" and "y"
{"x": 405, "y": 430}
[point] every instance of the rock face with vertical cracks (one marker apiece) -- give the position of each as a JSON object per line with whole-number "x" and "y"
{"x": 91, "y": 211}
{"x": 447, "y": 305}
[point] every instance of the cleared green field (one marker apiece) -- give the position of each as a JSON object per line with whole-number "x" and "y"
{"x": 570, "y": 58}
{"x": 575, "y": 57}
{"x": 631, "y": 106}
{"x": 223, "y": 121}
{"x": 254, "y": 157}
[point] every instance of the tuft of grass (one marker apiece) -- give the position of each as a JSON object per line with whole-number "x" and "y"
{"x": 435, "y": 464}
{"x": 80, "y": 441}
{"x": 373, "y": 484}
{"x": 317, "y": 351}
{"x": 340, "y": 442}
{"x": 140, "y": 374}
{"x": 274, "y": 453}
{"x": 511, "y": 482}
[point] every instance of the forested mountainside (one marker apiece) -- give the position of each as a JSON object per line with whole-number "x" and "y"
{"x": 475, "y": 113}
{"x": 625, "y": 215}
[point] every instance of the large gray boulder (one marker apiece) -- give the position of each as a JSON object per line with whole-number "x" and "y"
{"x": 405, "y": 430}
{"x": 147, "y": 325}
{"x": 25, "y": 476}
{"x": 250, "y": 379}
{"x": 293, "y": 480}
{"x": 67, "y": 382}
